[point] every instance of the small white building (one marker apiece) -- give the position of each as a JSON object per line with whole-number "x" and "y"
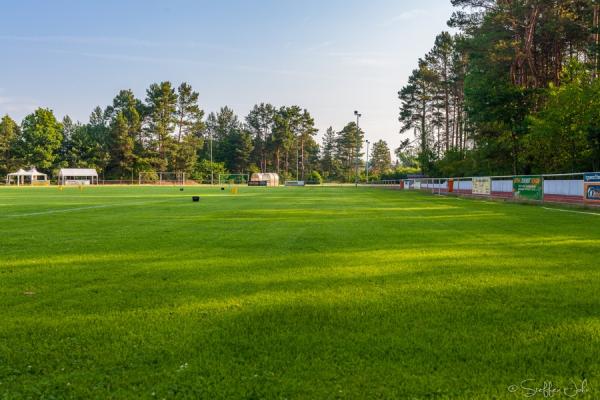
{"x": 77, "y": 176}
{"x": 31, "y": 177}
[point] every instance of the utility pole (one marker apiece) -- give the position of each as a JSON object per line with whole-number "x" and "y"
{"x": 358, "y": 146}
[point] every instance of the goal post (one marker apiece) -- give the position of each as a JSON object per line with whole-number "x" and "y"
{"x": 233, "y": 179}
{"x": 161, "y": 178}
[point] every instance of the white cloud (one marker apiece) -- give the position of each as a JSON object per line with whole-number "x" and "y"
{"x": 355, "y": 53}
{"x": 362, "y": 59}
{"x": 320, "y": 46}
{"x": 367, "y": 61}
{"x": 114, "y": 41}
{"x": 16, "y": 105}
{"x": 143, "y": 59}
{"x": 405, "y": 16}
{"x": 170, "y": 61}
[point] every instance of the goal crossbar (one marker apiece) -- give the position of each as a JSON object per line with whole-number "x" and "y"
{"x": 233, "y": 178}
{"x": 161, "y": 178}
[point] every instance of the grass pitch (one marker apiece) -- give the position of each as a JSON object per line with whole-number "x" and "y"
{"x": 297, "y": 293}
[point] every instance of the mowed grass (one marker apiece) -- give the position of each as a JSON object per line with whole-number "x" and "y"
{"x": 292, "y": 293}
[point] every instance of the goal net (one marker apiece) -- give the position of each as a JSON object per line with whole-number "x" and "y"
{"x": 161, "y": 178}
{"x": 233, "y": 179}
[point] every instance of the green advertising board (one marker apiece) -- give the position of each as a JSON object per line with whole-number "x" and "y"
{"x": 528, "y": 188}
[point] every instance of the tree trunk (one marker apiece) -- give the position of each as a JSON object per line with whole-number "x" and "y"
{"x": 302, "y": 156}
{"x": 180, "y": 126}
{"x": 596, "y": 37}
{"x": 263, "y": 160}
{"x": 447, "y": 105}
{"x": 515, "y": 152}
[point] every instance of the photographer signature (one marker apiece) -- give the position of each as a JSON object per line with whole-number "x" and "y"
{"x": 548, "y": 389}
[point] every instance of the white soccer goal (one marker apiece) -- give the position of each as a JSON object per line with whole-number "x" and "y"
{"x": 161, "y": 178}
{"x": 233, "y": 179}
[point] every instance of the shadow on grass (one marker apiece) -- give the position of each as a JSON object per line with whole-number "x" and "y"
{"x": 349, "y": 340}
{"x": 105, "y": 282}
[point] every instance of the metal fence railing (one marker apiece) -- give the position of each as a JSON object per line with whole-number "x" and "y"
{"x": 574, "y": 188}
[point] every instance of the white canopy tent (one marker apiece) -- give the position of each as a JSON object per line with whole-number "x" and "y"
{"x": 22, "y": 177}
{"x": 77, "y": 176}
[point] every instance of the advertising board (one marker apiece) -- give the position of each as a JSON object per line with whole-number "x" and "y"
{"x": 528, "y": 188}
{"x": 482, "y": 185}
{"x": 591, "y": 188}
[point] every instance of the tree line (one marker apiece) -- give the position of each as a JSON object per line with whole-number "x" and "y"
{"x": 168, "y": 131}
{"x": 515, "y": 90}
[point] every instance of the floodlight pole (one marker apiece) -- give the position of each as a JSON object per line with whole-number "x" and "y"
{"x": 367, "y": 163}
{"x": 358, "y": 115}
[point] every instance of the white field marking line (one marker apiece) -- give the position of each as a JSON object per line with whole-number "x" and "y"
{"x": 64, "y": 210}
{"x": 571, "y": 211}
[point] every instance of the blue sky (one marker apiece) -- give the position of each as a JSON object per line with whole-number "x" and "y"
{"x": 329, "y": 56}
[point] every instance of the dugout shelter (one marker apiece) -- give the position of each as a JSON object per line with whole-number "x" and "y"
{"x": 270, "y": 178}
{"x": 77, "y": 176}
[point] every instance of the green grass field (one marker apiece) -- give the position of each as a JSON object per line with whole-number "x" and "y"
{"x": 292, "y": 293}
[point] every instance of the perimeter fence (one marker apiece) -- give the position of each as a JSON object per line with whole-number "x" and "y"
{"x": 569, "y": 188}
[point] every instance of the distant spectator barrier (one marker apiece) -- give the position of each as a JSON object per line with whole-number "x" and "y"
{"x": 258, "y": 183}
{"x": 575, "y": 188}
{"x": 294, "y": 183}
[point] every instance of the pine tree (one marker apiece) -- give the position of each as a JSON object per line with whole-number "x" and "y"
{"x": 440, "y": 61}
{"x": 305, "y": 142}
{"x": 162, "y": 104}
{"x": 349, "y": 145}
{"x": 381, "y": 159}
{"x": 240, "y": 148}
{"x": 99, "y": 133}
{"x": 230, "y": 145}
{"x": 122, "y": 146}
{"x": 133, "y": 112}
{"x": 416, "y": 110}
{"x": 188, "y": 113}
{"x": 328, "y": 153}
{"x": 259, "y": 122}
{"x": 190, "y": 129}
{"x": 286, "y": 129}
